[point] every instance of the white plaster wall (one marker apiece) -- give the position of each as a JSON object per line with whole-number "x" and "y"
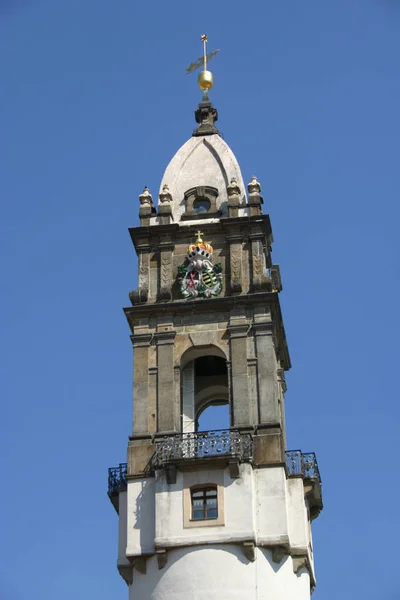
{"x": 217, "y": 572}
{"x": 298, "y": 519}
{"x": 206, "y": 160}
{"x": 140, "y": 516}
{"x": 238, "y": 506}
{"x": 272, "y": 525}
{"x": 122, "y": 528}
{"x": 260, "y": 505}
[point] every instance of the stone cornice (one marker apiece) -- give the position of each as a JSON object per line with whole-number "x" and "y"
{"x": 257, "y": 226}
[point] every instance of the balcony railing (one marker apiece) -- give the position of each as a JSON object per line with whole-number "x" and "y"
{"x": 117, "y": 479}
{"x": 210, "y": 444}
{"x": 303, "y": 465}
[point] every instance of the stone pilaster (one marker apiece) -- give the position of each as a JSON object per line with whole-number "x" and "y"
{"x": 257, "y": 262}
{"x": 166, "y": 409}
{"x": 141, "y": 343}
{"x": 266, "y": 374}
{"x": 166, "y": 276}
{"x": 239, "y": 376}
{"x": 235, "y": 240}
{"x": 153, "y": 399}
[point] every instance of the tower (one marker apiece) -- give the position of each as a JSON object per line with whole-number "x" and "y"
{"x": 215, "y": 514}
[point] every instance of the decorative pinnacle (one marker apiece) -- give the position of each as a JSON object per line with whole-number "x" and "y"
{"x": 254, "y": 186}
{"x": 145, "y": 197}
{"x": 165, "y": 195}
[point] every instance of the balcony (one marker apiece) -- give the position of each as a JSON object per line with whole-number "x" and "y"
{"x": 229, "y": 447}
{"x": 116, "y": 483}
{"x": 202, "y": 446}
{"x": 306, "y": 466}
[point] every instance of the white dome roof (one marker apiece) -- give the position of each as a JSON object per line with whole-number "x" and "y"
{"x": 202, "y": 161}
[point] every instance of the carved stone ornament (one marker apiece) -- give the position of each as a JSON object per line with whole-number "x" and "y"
{"x": 165, "y": 196}
{"x": 254, "y": 186}
{"x": 200, "y": 278}
{"x": 145, "y": 198}
{"x": 206, "y": 115}
{"x": 233, "y": 188}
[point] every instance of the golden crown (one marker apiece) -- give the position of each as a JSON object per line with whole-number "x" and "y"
{"x": 200, "y": 247}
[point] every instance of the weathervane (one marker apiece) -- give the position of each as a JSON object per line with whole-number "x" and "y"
{"x": 205, "y": 78}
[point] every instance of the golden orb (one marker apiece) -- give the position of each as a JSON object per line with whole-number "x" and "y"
{"x": 205, "y": 80}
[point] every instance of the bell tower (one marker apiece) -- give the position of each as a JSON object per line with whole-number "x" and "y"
{"x": 220, "y": 513}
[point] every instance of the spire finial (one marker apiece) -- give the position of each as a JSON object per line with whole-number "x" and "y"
{"x": 205, "y": 78}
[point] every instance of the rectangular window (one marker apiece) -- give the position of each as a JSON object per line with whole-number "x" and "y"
{"x": 204, "y": 504}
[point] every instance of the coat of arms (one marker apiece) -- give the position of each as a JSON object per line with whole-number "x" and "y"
{"x": 200, "y": 277}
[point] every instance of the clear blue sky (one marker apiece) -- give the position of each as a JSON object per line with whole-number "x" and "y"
{"x": 94, "y": 103}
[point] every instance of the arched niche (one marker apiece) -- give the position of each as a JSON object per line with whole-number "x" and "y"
{"x": 204, "y": 383}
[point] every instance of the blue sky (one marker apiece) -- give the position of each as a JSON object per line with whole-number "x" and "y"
{"x": 95, "y": 102}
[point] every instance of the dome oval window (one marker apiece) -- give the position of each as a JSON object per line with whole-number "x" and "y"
{"x": 201, "y": 205}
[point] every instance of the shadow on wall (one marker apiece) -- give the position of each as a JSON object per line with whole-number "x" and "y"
{"x": 144, "y": 500}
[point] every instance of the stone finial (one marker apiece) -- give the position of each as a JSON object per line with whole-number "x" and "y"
{"x": 233, "y": 198}
{"x": 165, "y": 205}
{"x": 233, "y": 188}
{"x": 147, "y": 208}
{"x": 145, "y": 198}
{"x": 255, "y": 200}
{"x": 254, "y": 186}
{"x": 165, "y": 196}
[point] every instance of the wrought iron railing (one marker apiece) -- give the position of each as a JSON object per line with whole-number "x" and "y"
{"x": 230, "y": 443}
{"x": 117, "y": 479}
{"x": 302, "y": 464}
{"x": 208, "y": 444}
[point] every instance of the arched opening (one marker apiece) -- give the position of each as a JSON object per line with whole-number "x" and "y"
{"x": 205, "y": 394}
{"x": 214, "y": 416}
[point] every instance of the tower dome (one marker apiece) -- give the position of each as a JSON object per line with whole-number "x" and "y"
{"x": 199, "y": 175}
{"x": 203, "y": 161}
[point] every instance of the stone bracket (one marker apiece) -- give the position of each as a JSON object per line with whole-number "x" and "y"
{"x": 278, "y": 552}
{"x": 299, "y": 563}
{"x": 234, "y": 469}
{"x": 170, "y": 473}
{"x": 238, "y": 331}
{"x": 164, "y": 337}
{"x": 139, "y": 296}
{"x": 162, "y": 558}
{"x": 140, "y": 340}
{"x": 249, "y": 550}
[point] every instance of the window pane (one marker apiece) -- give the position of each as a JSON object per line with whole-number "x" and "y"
{"x": 197, "y": 494}
{"x": 197, "y": 515}
{"x": 212, "y": 513}
{"x": 197, "y": 504}
{"x": 201, "y": 206}
{"x": 211, "y": 493}
{"x": 211, "y": 503}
